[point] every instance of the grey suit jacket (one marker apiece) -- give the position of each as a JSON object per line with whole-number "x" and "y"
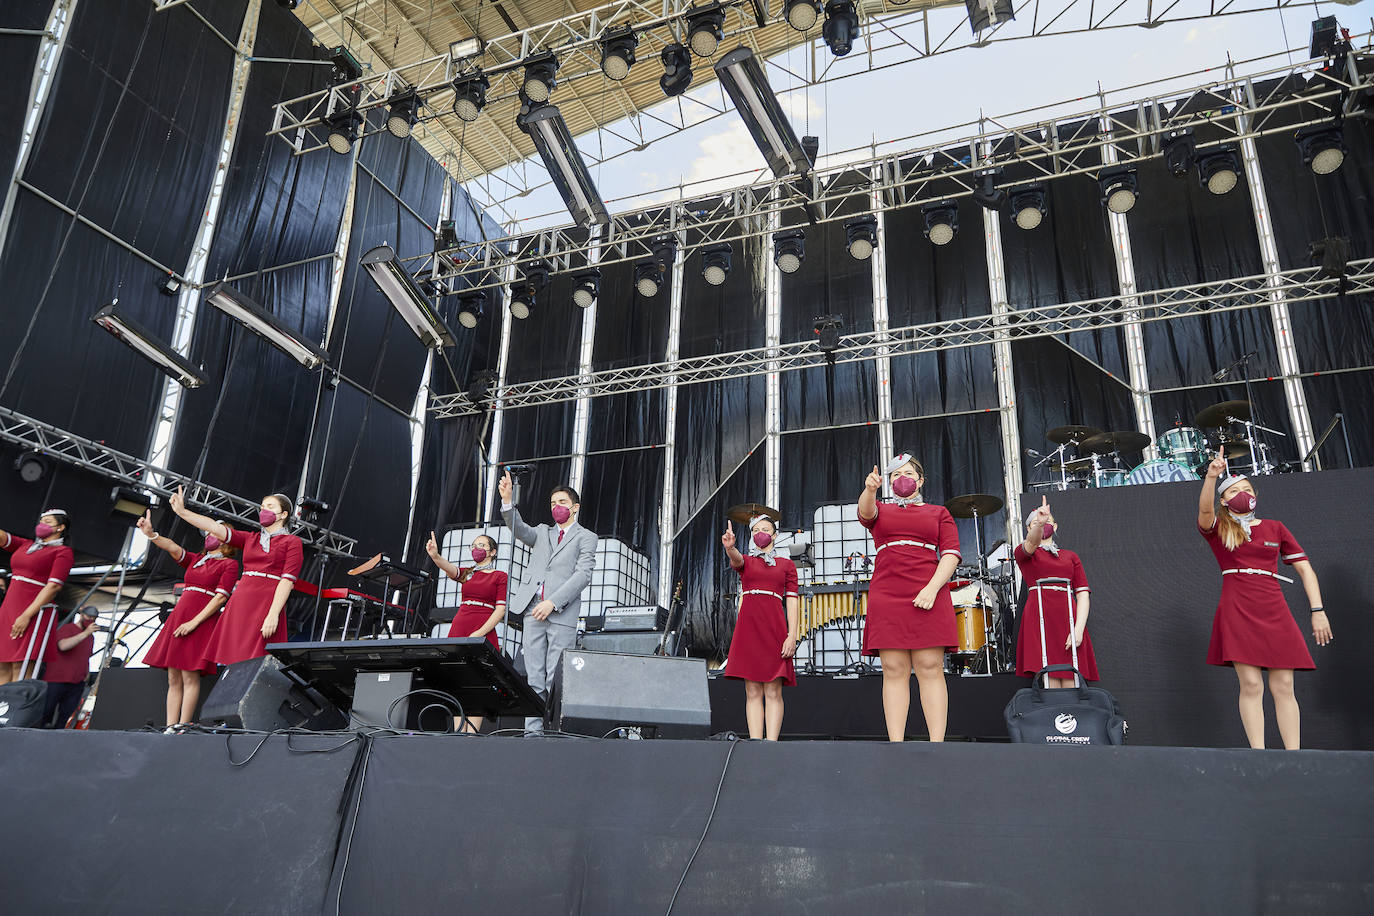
{"x": 563, "y": 569}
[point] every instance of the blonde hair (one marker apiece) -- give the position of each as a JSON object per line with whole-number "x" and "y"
{"x": 1228, "y": 529}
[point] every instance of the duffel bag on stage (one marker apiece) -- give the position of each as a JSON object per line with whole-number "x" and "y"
{"x": 1079, "y": 715}
{"x": 22, "y": 702}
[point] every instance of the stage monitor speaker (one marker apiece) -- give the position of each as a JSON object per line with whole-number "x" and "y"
{"x": 595, "y": 692}
{"x": 622, "y": 643}
{"x": 21, "y": 703}
{"x": 257, "y": 695}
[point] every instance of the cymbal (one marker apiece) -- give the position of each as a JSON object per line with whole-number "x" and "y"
{"x": 1073, "y": 465}
{"x": 970, "y": 503}
{"x": 1064, "y": 435}
{"x": 1127, "y": 440}
{"x": 745, "y": 511}
{"x": 1217, "y": 414}
{"x": 1235, "y": 448}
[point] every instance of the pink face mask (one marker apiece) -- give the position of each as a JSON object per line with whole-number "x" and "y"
{"x": 1048, "y": 531}
{"x": 212, "y": 542}
{"x": 1242, "y": 503}
{"x": 561, "y": 514}
{"x": 266, "y": 517}
{"x": 904, "y": 486}
{"x": 762, "y": 539}
{"x": 479, "y": 554}
{"x": 43, "y": 530}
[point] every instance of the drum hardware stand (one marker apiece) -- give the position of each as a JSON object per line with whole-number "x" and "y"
{"x": 985, "y": 653}
{"x": 1063, "y": 471}
{"x": 1259, "y": 462}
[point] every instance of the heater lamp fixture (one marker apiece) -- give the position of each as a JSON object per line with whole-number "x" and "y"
{"x": 406, "y": 297}
{"x": 861, "y": 236}
{"x": 1120, "y": 185}
{"x": 142, "y": 341}
{"x": 1218, "y": 170}
{"x": 941, "y": 221}
{"x": 1322, "y": 147}
{"x": 266, "y": 325}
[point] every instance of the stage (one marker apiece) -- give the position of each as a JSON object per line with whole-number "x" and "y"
{"x": 141, "y": 822}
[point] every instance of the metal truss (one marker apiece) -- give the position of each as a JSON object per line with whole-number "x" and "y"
{"x": 121, "y": 467}
{"x": 1039, "y": 152}
{"x": 1196, "y": 300}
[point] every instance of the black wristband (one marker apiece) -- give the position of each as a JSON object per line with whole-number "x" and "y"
{"x": 1318, "y": 610}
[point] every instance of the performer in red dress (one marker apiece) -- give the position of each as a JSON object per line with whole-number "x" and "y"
{"x": 1040, "y": 558}
{"x": 484, "y": 600}
{"x": 271, "y": 562}
{"x": 765, "y": 636}
{"x": 183, "y": 645}
{"x": 38, "y": 570}
{"x": 1253, "y": 628}
{"x": 910, "y": 621}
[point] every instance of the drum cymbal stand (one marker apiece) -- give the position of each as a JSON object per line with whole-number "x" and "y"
{"x": 985, "y": 657}
{"x": 1059, "y": 454}
{"x": 1259, "y": 455}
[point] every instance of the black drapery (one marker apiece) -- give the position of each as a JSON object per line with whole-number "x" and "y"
{"x": 961, "y": 455}
{"x": 819, "y": 467}
{"x": 1057, "y": 386}
{"x": 16, "y": 73}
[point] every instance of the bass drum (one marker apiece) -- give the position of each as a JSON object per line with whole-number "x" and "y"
{"x": 1160, "y": 471}
{"x": 1108, "y": 477}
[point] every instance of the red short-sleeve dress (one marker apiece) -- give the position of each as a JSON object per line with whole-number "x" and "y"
{"x": 482, "y": 592}
{"x": 206, "y": 577}
{"x": 239, "y": 634}
{"x": 29, "y": 574}
{"x": 1253, "y": 624}
{"x": 761, "y": 628}
{"x": 911, "y": 540}
{"x": 1053, "y": 599}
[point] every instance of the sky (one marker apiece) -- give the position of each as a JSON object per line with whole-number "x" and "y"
{"x": 933, "y": 95}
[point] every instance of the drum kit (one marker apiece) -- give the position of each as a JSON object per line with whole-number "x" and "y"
{"x": 1087, "y": 457}
{"x": 979, "y": 597}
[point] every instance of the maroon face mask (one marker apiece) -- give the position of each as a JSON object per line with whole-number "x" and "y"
{"x": 904, "y": 486}
{"x": 1242, "y": 503}
{"x": 43, "y": 530}
{"x": 561, "y": 514}
{"x": 479, "y": 554}
{"x": 1047, "y": 532}
{"x": 762, "y": 539}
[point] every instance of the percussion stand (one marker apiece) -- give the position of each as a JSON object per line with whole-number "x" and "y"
{"x": 982, "y": 575}
{"x": 1063, "y": 472}
{"x": 1259, "y": 463}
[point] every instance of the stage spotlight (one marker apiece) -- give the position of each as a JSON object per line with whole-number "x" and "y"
{"x": 828, "y": 332}
{"x": 32, "y": 466}
{"x": 1179, "y": 149}
{"x": 566, "y": 167}
{"x": 587, "y": 287}
{"x": 401, "y": 113}
{"x": 1325, "y": 37}
{"x": 789, "y": 249}
{"x": 129, "y": 504}
{"x": 705, "y": 29}
{"x": 472, "y": 307}
{"x": 1120, "y": 184}
{"x": 521, "y": 300}
{"x": 1028, "y": 206}
{"x": 169, "y": 285}
{"x": 539, "y": 76}
{"x": 1218, "y": 170}
{"x": 986, "y": 193}
{"x": 266, "y": 325}
{"x": 470, "y": 95}
{"x": 677, "y": 70}
{"x": 983, "y": 14}
{"x": 942, "y": 221}
{"x": 841, "y": 25}
{"x": 802, "y": 14}
{"x": 406, "y": 297}
{"x": 745, "y": 82}
{"x": 715, "y": 263}
{"x": 346, "y": 66}
{"x": 1331, "y": 255}
{"x": 446, "y": 239}
{"x": 343, "y": 130}
{"x": 648, "y": 277}
{"x": 1322, "y": 147}
{"x": 618, "y": 52}
{"x": 861, "y": 235}
{"x": 145, "y": 344}
{"x": 537, "y": 275}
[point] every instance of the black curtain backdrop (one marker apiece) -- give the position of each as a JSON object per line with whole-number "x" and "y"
{"x": 961, "y": 455}
{"x": 821, "y": 467}
{"x": 16, "y": 73}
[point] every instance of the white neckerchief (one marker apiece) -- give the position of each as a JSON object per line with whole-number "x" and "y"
{"x": 1245, "y": 521}
{"x": 39, "y": 545}
{"x": 761, "y": 552}
{"x": 914, "y": 500}
{"x": 1049, "y": 545}
{"x": 265, "y": 538}
{"x": 212, "y": 555}
{"x": 485, "y": 567}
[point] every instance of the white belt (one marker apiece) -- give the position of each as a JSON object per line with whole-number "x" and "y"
{"x": 28, "y": 580}
{"x": 760, "y": 591}
{"x": 490, "y": 607}
{"x": 1052, "y": 588}
{"x": 261, "y": 575}
{"x": 908, "y": 544}
{"x": 197, "y": 588}
{"x": 1256, "y": 572}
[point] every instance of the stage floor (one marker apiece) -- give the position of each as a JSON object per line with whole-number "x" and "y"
{"x": 141, "y": 822}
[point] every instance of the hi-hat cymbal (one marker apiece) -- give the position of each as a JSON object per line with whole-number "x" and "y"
{"x": 969, "y": 504}
{"x": 745, "y": 511}
{"x": 1127, "y": 440}
{"x": 1220, "y": 414}
{"x": 1065, "y": 435}
{"x": 1235, "y": 448}
{"x": 1073, "y": 465}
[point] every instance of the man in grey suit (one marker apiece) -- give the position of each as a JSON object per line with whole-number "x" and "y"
{"x": 550, "y": 593}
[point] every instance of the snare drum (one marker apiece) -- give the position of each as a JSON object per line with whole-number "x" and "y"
{"x": 970, "y": 620}
{"x": 1108, "y": 477}
{"x": 1184, "y": 446}
{"x": 1159, "y": 471}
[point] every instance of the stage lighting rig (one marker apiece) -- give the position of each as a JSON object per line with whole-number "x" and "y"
{"x": 406, "y": 297}
{"x": 677, "y": 70}
{"x": 1331, "y": 255}
{"x": 986, "y": 192}
{"x": 745, "y": 82}
{"x": 789, "y": 249}
{"x": 618, "y": 52}
{"x": 32, "y": 466}
{"x": 1179, "y": 150}
{"x": 344, "y": 127}
{"x": 446, "y": 239}
{"x": 861, "y": 236}
{"x": 587, "y": 286}
{"x": 402, "y": 111}
{"x": 705, "y": 29}
{"x": 802, "y": 14}
{"x": 1322, "y": 147}
{"x": 346, "y": 66}
{"x": 942, "y": 221}
{"x": 715, "y": 263}
{"x": 828, "y": 332}
{"x": 472, "y": 307}
{"x": 470, "y": 95}
{"x": 565, "y": 165}
{"x": 145, "y": 344}
{"x": 1120, "y": 185}
{"x": 480, "y": 385}
{"x": 1028, "y": 205}
{"x": 521, "y": 299}
{"x": 313, "y": 509}
{"x": 983, "y": 14}
{"x": 648, "y": 277}
{"x": 129, "y": 504}
{"x": 841, "y": 26}
{"x": 1218, "y": 170}
{"x": 539, "y": 80}
{"x": 266, "y": 325}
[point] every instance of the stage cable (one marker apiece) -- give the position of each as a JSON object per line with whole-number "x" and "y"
{"x": 715, "y": 802}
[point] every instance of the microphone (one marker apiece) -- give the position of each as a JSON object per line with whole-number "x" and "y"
{"x": 1033, "y": 453}
{"x": 1221, "y": 374}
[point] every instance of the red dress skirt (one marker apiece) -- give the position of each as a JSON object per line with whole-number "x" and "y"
{"x": 1053, "y": 600}
{"x": 203, "y": 582}
{"x": 30, "y": 573}
{"x": 483, "y": 591}
{"x": 911, "y": 540}
{"x": 1253, "y": 624}
{"x": 238, "y": 636}
{"x": 761, "y": 628}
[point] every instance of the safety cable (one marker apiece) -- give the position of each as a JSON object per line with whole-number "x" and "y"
{"x": 709, "y": 818}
